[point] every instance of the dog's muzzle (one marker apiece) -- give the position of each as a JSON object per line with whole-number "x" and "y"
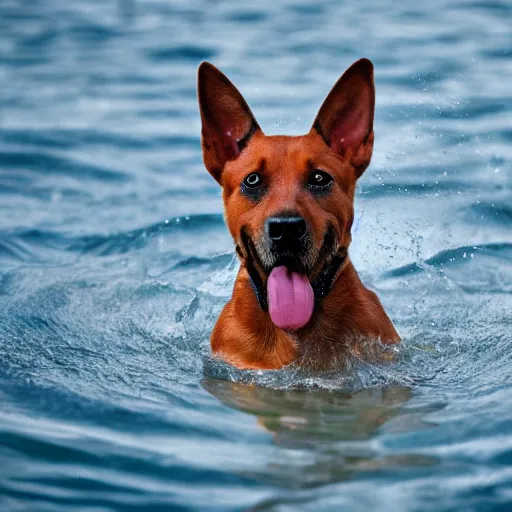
{"x": 288, "y": 243}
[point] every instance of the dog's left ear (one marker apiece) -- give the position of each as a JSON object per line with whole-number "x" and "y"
{"x": 345, "y": 119}
{"x": 227, "y": 121}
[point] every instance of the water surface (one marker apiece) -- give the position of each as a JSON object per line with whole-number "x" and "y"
{"x": 115, "y": 261}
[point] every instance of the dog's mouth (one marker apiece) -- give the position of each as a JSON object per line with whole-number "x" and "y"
{"x": 290, "y": 288}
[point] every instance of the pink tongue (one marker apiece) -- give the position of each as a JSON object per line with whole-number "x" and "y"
{"x": 290, "y": 297}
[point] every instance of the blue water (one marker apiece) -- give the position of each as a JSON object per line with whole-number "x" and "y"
{"x": 115, "y": 261}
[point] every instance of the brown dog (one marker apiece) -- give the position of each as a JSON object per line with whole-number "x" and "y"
{"x": 289, "y": 207}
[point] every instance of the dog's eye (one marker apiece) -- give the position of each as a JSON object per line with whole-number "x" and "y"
{"x": 320, "y": 179}
{"x": 253, "y": 180}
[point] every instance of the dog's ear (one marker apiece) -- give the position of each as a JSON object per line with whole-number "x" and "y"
{"x": 227, "y": 121}
{"x": 345, "y": 119}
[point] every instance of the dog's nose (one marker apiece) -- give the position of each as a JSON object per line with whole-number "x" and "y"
{"x": 282, "y": 228}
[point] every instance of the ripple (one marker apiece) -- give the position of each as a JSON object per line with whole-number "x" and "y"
{"x": 30, "y": 245}
{"x": 454, "y": 256}
{"x": 174, "y": 53}
{"x": 136, "y": 239}
{"x": 39, "y": 162}
{"x": 498, "y": 213}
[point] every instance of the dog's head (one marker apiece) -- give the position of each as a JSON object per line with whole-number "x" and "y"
{"x": 289, "y": 200}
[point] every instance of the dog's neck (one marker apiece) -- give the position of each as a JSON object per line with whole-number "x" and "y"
{"x": 343, "y": 322}
{"x": 345, "y": 310}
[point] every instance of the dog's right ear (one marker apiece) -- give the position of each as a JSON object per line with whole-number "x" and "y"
{"x": 227, "y": 121}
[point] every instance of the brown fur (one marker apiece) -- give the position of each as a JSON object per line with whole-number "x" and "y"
{"x": 340, "y": 142}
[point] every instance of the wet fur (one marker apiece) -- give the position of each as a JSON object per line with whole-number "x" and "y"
{"x": 340, "y": 142}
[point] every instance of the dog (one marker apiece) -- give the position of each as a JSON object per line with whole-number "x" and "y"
{"x": 289, "y": 206}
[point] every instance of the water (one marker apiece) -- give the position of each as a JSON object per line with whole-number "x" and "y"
{"x": 115, "y": 262}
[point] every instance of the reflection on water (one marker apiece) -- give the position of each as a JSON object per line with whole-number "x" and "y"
{"x": 329, "y": 432}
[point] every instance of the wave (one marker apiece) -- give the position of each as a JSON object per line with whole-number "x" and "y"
{"x": 453, "y": 256}
{"x": 36, "y": 245}
{"x": 72, "y": 138}
{"x": 41, "y": 162}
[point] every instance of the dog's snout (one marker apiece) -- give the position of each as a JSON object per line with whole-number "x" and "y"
{"x": 286, "y": 228}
